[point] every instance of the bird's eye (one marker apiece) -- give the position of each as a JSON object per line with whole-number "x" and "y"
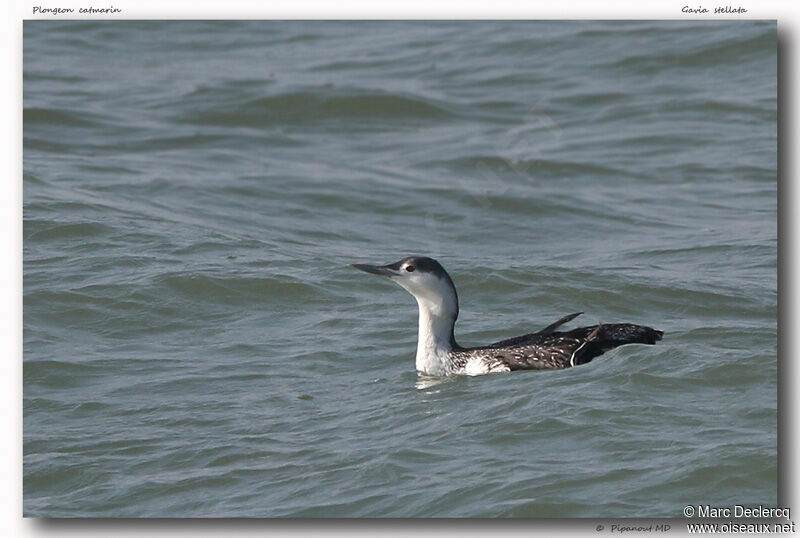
{"x": 410, "y": 268}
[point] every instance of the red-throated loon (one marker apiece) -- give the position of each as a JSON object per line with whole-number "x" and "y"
{"x": 438, "y": 354}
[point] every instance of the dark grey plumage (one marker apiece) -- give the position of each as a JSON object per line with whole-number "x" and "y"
{"x": 551, "y": 350}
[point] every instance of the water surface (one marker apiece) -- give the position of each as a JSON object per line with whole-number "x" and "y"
{"x": 196, "y": 345}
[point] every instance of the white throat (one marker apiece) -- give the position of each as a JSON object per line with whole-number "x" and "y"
{"x": 435, "y": 339}
{"x": 438, "y": 310}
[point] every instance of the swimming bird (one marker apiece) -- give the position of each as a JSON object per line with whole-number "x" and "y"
{"x": 438, "y": 354}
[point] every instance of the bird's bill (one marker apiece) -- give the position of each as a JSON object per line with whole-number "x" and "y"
{"x": 380, "y": 270}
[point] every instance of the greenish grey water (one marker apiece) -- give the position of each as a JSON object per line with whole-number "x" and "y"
{"x": 195, "y": 344}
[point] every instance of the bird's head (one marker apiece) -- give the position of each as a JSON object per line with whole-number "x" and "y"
{"x": 425, "y": 279}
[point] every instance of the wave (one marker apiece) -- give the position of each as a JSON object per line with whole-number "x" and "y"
{"x": 45, "y": 230}
{"x": 538, "y": 168}
{"x": 238, "y": 288}
{"x": 312, "y": 106}
{"x": 729, "y": 51}
{"x": 54, "y": 116}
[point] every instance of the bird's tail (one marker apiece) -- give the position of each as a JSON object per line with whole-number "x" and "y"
{"x": 618, "y": 334}
{"x": 604, "y": 337}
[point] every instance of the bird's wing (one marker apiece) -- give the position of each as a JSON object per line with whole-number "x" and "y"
{"x": 554, "y": 350}
{"x": 534, "y": 338}
{"x": 553, "y": 326}
{"x": 549, "y": 352}
{"x": 579, "y": 346}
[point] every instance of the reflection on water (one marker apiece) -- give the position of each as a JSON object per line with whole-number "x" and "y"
{"x": 426, "y": 381}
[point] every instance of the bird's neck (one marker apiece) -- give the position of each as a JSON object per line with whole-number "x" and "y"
{"x": 436, "y": 340}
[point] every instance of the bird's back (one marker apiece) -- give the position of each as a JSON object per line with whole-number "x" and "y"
{"x": 547, "y": 350}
